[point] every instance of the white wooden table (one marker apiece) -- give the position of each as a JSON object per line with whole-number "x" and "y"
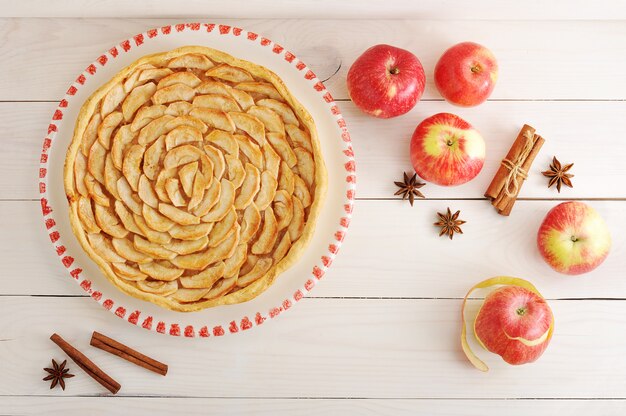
{"x": 380, "y": 333}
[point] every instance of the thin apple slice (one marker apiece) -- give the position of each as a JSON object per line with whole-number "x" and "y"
{"x": 249, "y": 188}
{"x": 86, "y": 216}
{"x": 229, "y": 73}
{"x": 183, "y": 133}
{"x": 205, "y": 279}
{"x": 109, "y": 123}
{"x": 146, "y": 193}
{"x": 131, "y": 167}
{"x": 286, "y": 179}
{"x": 112, "y": 99}
{"x": 213, "y": 118}
{"x": 282, "y": 109}
{"x": 153, "y": 74}
{"x": 282, "y": 248}
{"x": 137, "y": 97}
{"x": 91, "y": 134}
{"x": 176, "y": 92}
{"x": 244, "y": 99}
{"x": 103, "y": 247}
{"x": 122, "y": 139}
{"x": 267, "y": 191}
{"x": 213, "y": 87}
{"x": 158, "y": 287}
{"x": 268, "y": 117}
{"x": 161, "y": 271}
{"x": 236, "y": 172}
{"x": 216, "y": 102}
{"x": 188, "y": 246}
{"x": 178, "y": 215}
{"x": 109, "y": 222}
{"x": 225, "y": 140}
{"x": 268, "y": 234}
{"x": 178, "y": 108}
{"x": 153, "y": 130}
{"x": 281, "y": 146}
{"x": 260, "y": 268}
{"x": 184, "y": 77}
{"x": 221, "y": 287}
{"x": 250, "y": 149}
{"x": 250, "y": 124}
{"x": 145, "y": 115}
{"x": 283, "y": 208}
{"x": 226, "y": 200}
{"x": 261, "y": 89}
{"x": 301, "y": 191}
{"x": 191, "y": 60}
{"x": 299, "y": 137}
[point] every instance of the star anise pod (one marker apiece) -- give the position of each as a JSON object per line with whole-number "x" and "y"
{"x": 449, "y": 223}
{"x": 558, "y": 174}
{"x": 57, "y": 374}
{"x": 409, "y": 188}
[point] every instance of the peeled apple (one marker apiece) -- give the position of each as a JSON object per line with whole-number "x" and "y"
{"x": 514, "y": 321}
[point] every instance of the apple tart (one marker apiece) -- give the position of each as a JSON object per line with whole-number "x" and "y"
{"x": 194, "y": 178}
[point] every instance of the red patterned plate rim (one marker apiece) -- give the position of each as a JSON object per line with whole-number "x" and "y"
{"x": 248, "y": 321}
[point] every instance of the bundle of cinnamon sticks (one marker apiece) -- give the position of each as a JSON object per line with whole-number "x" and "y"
{"x": 513, "y": 170}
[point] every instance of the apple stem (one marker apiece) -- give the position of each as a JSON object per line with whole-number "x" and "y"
{"x": 394, "y": 71}
{"x": 521, "y": 311}
{"x": 475, "y": 68}
{"x": 574, "y": 238}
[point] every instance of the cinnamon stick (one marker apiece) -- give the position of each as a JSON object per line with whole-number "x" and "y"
{"x": 87, "y": 365}
{"x": 497, "y": 183}
{"x": 107, "y": 344}
{"x": 503, "y": 204}
{"x": 513, "y": 170}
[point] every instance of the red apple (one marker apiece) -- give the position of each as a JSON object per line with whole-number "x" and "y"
{"x": 466, "y": 74}
{"x": 446, "y": 150}
{"x": 386, "y": 81}
{"x": 573, "y": 238}
{"x": 514, "y": 323}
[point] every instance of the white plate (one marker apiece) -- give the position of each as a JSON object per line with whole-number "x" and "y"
{"x": 331, "y": 225}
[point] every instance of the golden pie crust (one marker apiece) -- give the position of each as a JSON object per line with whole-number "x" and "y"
{"x": 194, "y": 178}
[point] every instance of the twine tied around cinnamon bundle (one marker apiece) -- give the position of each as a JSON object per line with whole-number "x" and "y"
{"x": 513, "y": 171}
{"x": 511, "y": 183}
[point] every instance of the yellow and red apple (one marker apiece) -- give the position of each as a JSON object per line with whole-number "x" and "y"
{"x": 573, "y": 238}
{"x": 447, "y": 150}
{"x": 466, "y": 74}
{"x": 514, "y": 321}
{"x": 386, "y": 81}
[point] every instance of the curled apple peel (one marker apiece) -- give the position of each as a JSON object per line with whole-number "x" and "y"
{"x": 519, "y": 340}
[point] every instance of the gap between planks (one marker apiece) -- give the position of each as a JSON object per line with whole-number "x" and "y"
{"x": 139, "y": 396}
{"x": 437, "y": 298}
{"x": 426, "y": 100}
{"x": 420, "y": 199}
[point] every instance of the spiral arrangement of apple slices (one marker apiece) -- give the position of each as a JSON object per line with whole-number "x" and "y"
{"x": 191, "y": 180}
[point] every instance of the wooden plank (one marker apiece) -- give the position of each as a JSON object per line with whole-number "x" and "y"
{"x": 301, "y": 407}
{"x": 573, "y": 132}
{"x": 323, "y": 348}
{"x": 579, "y": 63}
{"x": 454, "y": 9}
{"x": 595, "y": 146}
{"x": 25, "y": 128}
{"x": 391, "y": 250}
